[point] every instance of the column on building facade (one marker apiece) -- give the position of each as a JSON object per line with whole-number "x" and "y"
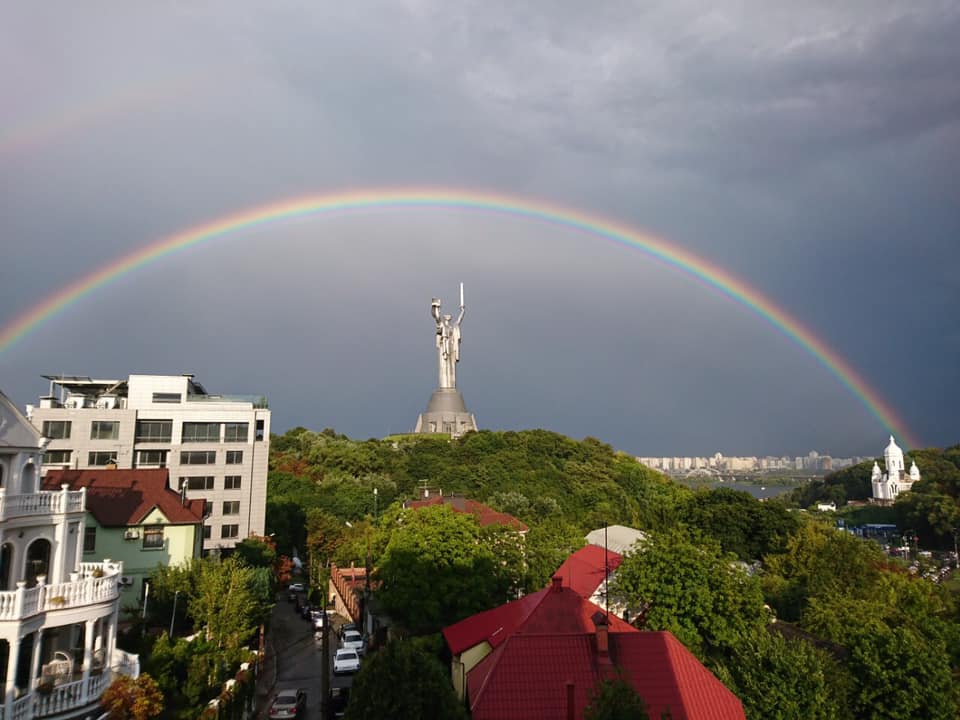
{"x": 34, "y": 660}
{"x": 10, "y": 688}
{"x": 88, "y": 634}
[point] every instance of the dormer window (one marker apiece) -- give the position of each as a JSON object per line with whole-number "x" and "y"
{"x": 153, "y": 538}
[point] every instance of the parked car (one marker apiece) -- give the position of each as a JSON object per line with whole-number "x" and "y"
{"x": 353, "y": 640}
{"x": 307, "y": 612}
{"x": 339, "y": 697}
{"x": 319, "y": 618}
{"x": 346, "y": 661}
{"x": 347, "y": 627}
{"x": 288, "y": 704}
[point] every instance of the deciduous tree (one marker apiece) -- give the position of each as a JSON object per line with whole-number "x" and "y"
{"x": 403, "y": 681}
{"x": 130, "y": 698}
{"x": 691, "y": 588}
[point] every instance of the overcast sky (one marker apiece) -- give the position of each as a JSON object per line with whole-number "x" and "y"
{"x": 811, "y": 149}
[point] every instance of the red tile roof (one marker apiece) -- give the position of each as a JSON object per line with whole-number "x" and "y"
{"x": 526, "y": 677}
{"x": 553, "y": 609}
{"x": 485, "y": 515}
{"x": 121, "y": 497}
{"x": 583, "y": 571}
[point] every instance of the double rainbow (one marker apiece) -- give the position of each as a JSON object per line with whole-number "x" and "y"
{"x": 358, "y": 201}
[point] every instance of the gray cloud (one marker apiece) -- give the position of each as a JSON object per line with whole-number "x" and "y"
{"x": 810, "y": 149}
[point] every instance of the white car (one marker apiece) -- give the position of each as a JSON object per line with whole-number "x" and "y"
{"x": 346, "y": 661}
{"x": 319, "y": 619}
{"x": 353, "y": 640}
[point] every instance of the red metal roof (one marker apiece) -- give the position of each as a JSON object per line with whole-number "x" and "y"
{"x": 553, "y": 609}
{"x": 583, "y": 571}
{"x": 485, "y": 515}
{"x": 120, "y": 497}
{"x": 527, "y": 677}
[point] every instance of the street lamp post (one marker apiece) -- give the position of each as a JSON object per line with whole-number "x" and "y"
{"x": 174, "y": 613}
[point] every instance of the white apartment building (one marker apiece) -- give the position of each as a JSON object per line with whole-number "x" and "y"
{"x": 58, "y": 615}
{"x": 216, "y": 447}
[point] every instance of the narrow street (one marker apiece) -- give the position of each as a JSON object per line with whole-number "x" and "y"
{"x": 293, "y": 658}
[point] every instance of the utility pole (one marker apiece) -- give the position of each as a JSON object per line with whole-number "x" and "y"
{"x": 325, "y": 665}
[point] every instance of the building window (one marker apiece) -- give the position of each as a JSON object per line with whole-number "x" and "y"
{"x": 90, "y": 539}
{"x": 57, "y": 457}
{"x": 236, "y": 432}
{"x": 56, "y": 429}
{"x": 152, "y": 538}
{"x": 166, "y": 397}
{"x": 104, "y": 430}
{"x": 151, "y": 458}
{"x": 154, "y": 430}
{"x": 231, "y": 482}
{"x": 231, "y": 507}
{"x": 198, "y": 482}
{"x": 259, "y": 429}
{"x": 198, "y": 457}
{"x": 102, "y": 457}
{"x": 234, "y": 457}
{"x": 206, "y": 532}
{"x": 230, "y": 531}
{"x": 201, "y": 432}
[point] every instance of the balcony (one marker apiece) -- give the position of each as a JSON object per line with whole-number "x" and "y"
{"x": 41, "y": 503}
{"x": 94, "y": 583}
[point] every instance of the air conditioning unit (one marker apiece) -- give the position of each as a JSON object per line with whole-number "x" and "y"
{"x": 131, "y": 535}
{"x": 126, "y": 580}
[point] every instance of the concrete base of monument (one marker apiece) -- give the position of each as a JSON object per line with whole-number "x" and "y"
{"x": 446, "y": 414}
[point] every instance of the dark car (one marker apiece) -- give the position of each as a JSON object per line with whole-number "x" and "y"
{"x": 288, "y": 704}
{"x": 347, "y": 627}
{"x": 294, "y": 590}
{"x": 339, "y": 697}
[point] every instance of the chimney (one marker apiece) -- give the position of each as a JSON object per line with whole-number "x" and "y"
{"x": 556, "y": 583}
{"x": 571, "y": 711}
{"x": 603, "y": 640}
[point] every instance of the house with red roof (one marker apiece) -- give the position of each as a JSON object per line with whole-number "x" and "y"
{"x": 134, "y": 516}
{"x": 586, "y": 572}
{"x": 543, "y": 655}
{"x": 485, "y": 515}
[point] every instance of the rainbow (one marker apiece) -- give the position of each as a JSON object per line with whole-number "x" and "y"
{"x": 42, "y": 131}
{"x": 358, "y": 201}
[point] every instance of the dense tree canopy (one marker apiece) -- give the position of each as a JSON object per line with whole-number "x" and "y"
{"x": 403, "y": 681}
{"x": 691, "y": 588}
{"x": 435, "y": 570}
{"x": 851, "y": 616}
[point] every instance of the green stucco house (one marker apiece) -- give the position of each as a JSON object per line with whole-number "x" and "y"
{"x": 134, "y": 516}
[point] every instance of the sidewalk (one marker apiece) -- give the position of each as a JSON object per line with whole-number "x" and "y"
{"x": 267, "y": 678}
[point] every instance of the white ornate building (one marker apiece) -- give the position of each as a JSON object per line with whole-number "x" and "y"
{"x": 58, "y": 616}
{"x": 887, "y": 486}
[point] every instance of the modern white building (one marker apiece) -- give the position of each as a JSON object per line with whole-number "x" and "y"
{"x": 887, "y": 486}
{"x": 58, "y": 615}
{"x": 216, "y": 447}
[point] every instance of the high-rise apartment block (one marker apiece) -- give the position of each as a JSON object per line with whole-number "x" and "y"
{"x": 215, "y": 446}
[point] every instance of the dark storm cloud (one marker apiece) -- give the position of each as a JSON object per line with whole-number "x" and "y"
{"x": 809, "y": 148}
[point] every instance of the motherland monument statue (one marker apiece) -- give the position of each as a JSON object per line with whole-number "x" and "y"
{"x": 446, "y": 412}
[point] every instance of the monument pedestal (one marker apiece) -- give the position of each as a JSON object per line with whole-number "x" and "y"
{"x": 447, "y": 414}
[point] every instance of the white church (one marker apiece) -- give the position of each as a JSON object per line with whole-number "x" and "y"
{"x": 887, "y": 486}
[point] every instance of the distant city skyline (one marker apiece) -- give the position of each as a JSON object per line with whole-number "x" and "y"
{"x": 813, "y": 461}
